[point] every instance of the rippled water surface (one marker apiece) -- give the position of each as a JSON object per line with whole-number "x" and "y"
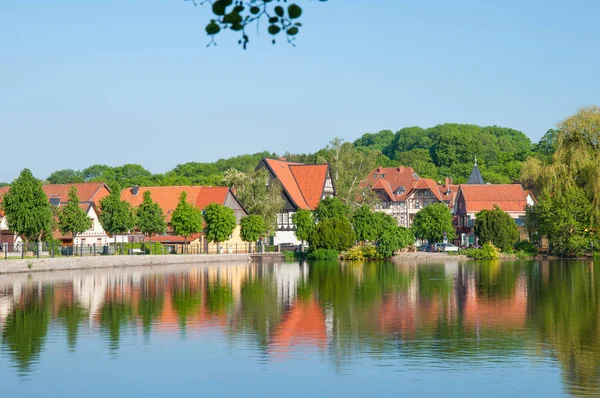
{"x": 304, "y": 330}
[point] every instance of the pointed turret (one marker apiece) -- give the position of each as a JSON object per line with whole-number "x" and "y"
{"x": 475, "y": 177}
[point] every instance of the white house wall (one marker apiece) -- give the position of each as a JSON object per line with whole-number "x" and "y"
{"x": 96, "y": 234}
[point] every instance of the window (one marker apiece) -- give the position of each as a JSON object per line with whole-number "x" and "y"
{"x": 419, "y": 194}
{"x": 417, "y": 204}
{"x": 286, "y": 218}
{"x": 383, "y": 175}
{"x": 374, "y": 175}
{"x": 92, "y": 225}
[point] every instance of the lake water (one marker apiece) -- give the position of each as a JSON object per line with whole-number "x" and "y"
{"x": 304, "y": 330}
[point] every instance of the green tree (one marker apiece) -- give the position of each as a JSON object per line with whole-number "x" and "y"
{"x": 331, "y": 207}
{"x": 281, "y": 19}
{"x": 497, "y": 227}
{"x": 566, "y": 220}
{"x": 363, "y": 221}
{"x": 334, "y": 234}
{"x": 258, "y": 195}
{"x": 67, "y": 176}
{"x": 72, "y": 219}
{"x": 150, "y": 217}
{"x": 394, "y": 239}
{"x": 220, "y": 223}
{"x": 304, "y": 222}
{"x": 186, "y": 219}
{"x": 433, "y": 223}
{"x": 26, "y": 208}
{"x": 116, "y": 216}
{"x": 252, "y": 228}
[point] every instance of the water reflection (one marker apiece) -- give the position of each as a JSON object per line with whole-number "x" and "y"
{"x": 467, "y": 313}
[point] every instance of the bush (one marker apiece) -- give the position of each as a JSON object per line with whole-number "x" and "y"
{"x": 527, "y": 247}
{"x": 394, "y": 239}
{"x": 362, "y": 253}
{"x": 294, "y": 256}
{"x": 496, "y": 226}
{"x": 487, "y": 252}
{"x": 334, "y": 234}
{"x": 323, "y": 254}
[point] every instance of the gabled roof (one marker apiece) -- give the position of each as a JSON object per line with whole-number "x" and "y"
{"x": 428, "y": 183}
{"x": 303, "y": 183}
{"x": 168, "y": 196}
{"x": 86, "y": 191}
{"x": 389, "y": 179}
{"x": 509, "y": 197}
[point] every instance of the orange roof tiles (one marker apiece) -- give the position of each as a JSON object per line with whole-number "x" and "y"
{"x": 389, "y": 179}
{"x": 86, "y": 191}
{"x": 168, "y": 197}
{"x": 509, "y": 197}
{"x": 303, "y": 183}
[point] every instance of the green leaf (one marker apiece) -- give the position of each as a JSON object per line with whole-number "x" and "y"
{"x": 212, "y": 28}
{"x": 274, "y": 29}
{"x": 279, "y": 11}
{"x": 294, "y": 11}
{"x": 292, "y": 31}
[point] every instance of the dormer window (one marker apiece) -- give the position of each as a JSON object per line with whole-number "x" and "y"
{"x": 374, "y": 175}
{"x": 400, "y": 191}
{"x": 383, "y": 175}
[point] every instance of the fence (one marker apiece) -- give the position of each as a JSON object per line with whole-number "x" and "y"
{"x": 45, "y": 250}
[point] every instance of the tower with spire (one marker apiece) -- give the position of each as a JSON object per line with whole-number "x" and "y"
{"x": 475, "y": 177}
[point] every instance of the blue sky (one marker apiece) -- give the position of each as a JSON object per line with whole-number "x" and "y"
{"x": 123, "y": 81}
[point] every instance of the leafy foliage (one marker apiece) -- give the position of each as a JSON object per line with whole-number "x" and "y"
{"x": 150, "y": 217}
{"x": 497, "y": 227}
{"x": 116, "y": 215}
{"x": 432, "y": 222}
{"x": 186, "y": 219}
{"x": 487, "y": 252}
{"x": 281, "y": 18}
{"x": 220, "y": 222}
{"x": 26, "y": 207}
{"x": 304, "y": 222}
{"x": 362, "y": 252}
{"x": 323, "y": 254}
{"x": 253, "y": 227}
{"x": 364, "y": 224}
{"x": 72, "y": 219}
{"x": 258, "y": 197}
{"x": 394, "y": 239}
{"x": 330, "y": 208}
{"x": 333, "y": 233}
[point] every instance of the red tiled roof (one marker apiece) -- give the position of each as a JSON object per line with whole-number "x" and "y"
{"x": 389, "y": 179}
{"x": 303, "y": 183}
{"x": 509, "y": 197}
{"x": 168, "y": 197}
{"x": 86, "y": 191}
{"x": 428, "y": 183}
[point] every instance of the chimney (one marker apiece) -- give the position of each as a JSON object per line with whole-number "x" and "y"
{"x": 134, "y": 190}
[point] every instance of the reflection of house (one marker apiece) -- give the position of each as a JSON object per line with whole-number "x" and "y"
{"x": 200, "y": 197}
{"x": 403, "y": 193}
{"x": 472, "y": 199}
{"x": 303, "y": 187}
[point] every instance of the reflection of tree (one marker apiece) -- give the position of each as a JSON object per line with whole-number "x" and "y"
{"x": 261, "y": 312}
{"x": 497, "y": 278}
{"x": 567, "y": 315}
{"x": 219, "y": 298}
{"x": 115, "y": 314}
{"x": 71, "y": 315}
{"x": 26, "y": 327}
{"x": 186, "y": 299}
{"x": 151, "y": 301}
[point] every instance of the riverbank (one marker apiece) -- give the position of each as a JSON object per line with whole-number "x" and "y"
{"x": 71, "y": 263}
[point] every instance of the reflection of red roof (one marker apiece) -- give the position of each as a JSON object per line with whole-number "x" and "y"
{"x": 509, "y": 197}
{"x": 303, "y": 183}
{"x": 305, "y": 323}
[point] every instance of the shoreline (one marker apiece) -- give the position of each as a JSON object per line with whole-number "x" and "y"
{"x": 29, "y": 265}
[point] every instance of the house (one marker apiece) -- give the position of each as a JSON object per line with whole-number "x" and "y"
{"x": 303, "y": 187}
{"x": 473, "y": 198}
{"x": 402, "y": 193}
{"x": 89, "y": 193}
{"x": 168, "y": 197}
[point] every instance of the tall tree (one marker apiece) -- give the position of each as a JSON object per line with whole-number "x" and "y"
{"x": 186, "y": 219}
{"x": 258, "y": 195}
{"x": 220, "y": 223}
{"x": 331, "y": 207}
{"x": 67, "y": 176}
{"x": 252, "y": 228}
{"x": 433, "y": 223}
{"x": 72, "y": 219}
{"x": 497, "y": 227}
{"x": 116, "y": 216}
{"x": 150, "y": 217}
{"x": 305, "y": 223}
{"x": 26, "y": 208}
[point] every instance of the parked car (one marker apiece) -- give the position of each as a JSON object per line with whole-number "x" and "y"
{"x": 446, "y": 247}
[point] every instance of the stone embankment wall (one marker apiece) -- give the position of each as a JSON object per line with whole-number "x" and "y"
{"x": 69, "y": 263}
